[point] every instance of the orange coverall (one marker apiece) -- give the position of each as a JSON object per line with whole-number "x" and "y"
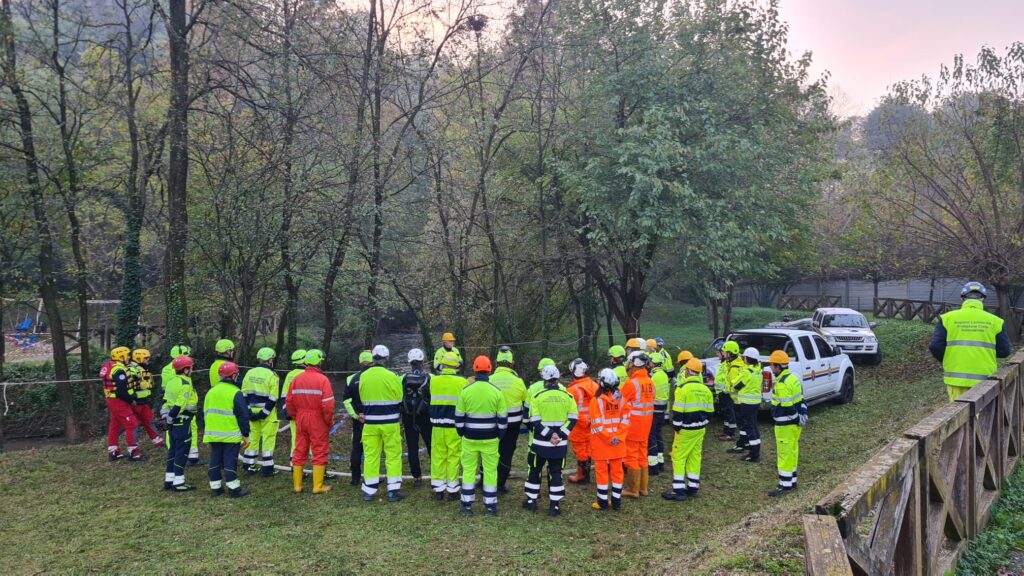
{"x": 609, "y": 419}
{"x": 582, "y": 390}
{"x": 310, "y": 403}
{"x": 638, "y": 390}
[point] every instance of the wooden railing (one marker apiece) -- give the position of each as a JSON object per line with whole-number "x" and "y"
{"x": 788, "y": 302}
{"x": 925, "y": 310}
{"x": 914, "y": 506}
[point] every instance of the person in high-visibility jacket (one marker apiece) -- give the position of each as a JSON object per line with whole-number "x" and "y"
{"x": 298, "y": 360}
{"x": 789, "y": 412}
{"x": 225, "y": 350}
{"x": 441, "y": 393}
{"x": 735, "y": 371}
{"x": 609, "y": 426}
{"x": 226, "y": 417}
{"x": 377, "y": 400}
{"x": 582, "y": 390}
{"x": 356, "y": 462}
{"x": 666, "y": 364}
{"x": 120, "y": 397}
{"x": 748, "y": 397}
{"x": 447, "y": 347}
{"x": 655, "y": 441}
{"x": 553, "y": 414}
{"x": 140, "y": 380}
{"x": 616, "y": 361}
{"x": 168, "y": 378}
{"x": 183, "y": 405}
{"x": 415, "y": 413}
{"x": 692, "y": 406}
{"x": 514, "y": 390}
{"x": 260, "y": 387}
{"x": 481, "y": 419}
{"x": 311, "y": 403}
{"x": 638, "y": 390}
{"x": 968, "y": 341}
{"x": 532, "y": 391}
{"x": 720, "y": 378}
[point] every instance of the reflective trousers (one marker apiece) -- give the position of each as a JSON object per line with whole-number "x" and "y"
{"x": 264, "y": 439}
{"x": 603, "y": 469}
{"x": 480, "y": 453}
{"x": 179, "y": 437}
{"x": 556, "y": 489}
{"x": 581, "y": 448}
{"x": 224, "y": 465}
{"x": 728, "y": 408}
{"x": 686, "y": 458}
{"x": 787, "y": 446}
{"x": 445, "y": 454}
{"x": 378, "y": 438}
{"x": 955, "y": 392}
{"x": 636, "y": 453}
{"x": 750, "y": 435}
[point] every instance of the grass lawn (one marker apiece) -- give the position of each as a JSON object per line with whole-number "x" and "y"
{"x": 67, "y": 510}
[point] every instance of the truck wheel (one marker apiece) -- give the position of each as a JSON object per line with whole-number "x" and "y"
{"x": 846, "y": 391}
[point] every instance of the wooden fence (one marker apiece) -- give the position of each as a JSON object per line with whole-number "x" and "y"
{"x": 914, "y": 506}
{"x": 787, "y": 302}
{"x": 927, "y": 311}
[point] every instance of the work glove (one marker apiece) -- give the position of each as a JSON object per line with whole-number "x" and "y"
{"x": 803, "y": 415}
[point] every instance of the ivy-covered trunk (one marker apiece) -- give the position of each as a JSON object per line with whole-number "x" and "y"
{"x": 177, "y": 177}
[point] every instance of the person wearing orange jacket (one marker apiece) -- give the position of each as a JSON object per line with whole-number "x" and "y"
{"x": 311, "y": 403}
{"x": 609, "y": 427}
{"x": 582, "y": 390}
{"x": 638, "y": 390}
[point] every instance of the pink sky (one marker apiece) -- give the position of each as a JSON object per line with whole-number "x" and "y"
{"x": 869, "y": 44}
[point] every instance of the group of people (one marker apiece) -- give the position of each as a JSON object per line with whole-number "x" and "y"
{"x": 469, "y": 425}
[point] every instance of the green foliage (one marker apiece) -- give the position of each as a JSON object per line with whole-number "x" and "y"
{"x": 990, "y": 551}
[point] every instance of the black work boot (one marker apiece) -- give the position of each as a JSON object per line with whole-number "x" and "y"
{"x": 530, "y": 505}
{"x": 491, "y": 509}
{"x": 554, "y": 510}
{"x": 238, "y": 492}
{"x": 466, "y": 509}
{"x": 439, "y": 496}
{"x": 214, "y": 492}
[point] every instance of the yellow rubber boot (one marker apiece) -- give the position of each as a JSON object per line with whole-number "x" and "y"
{"x": 318, "y": 480}
{"x": 632, "y": 488}
{"x": 297, "y": 479}
{"x": 644, "y": 477}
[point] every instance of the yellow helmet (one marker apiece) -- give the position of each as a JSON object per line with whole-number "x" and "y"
{"x": 448, "y": 336}
{"x": 778, "y": 357}
{"x": 694, "y": 365}
{"x": 120, "y": 353}
{"x": 635, "y": 343}
{"x": 652, "y": 344}
{"x": 140, "y": 356}
{"x": 683, "y": 357}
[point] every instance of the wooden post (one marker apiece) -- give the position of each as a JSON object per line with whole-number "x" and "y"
{"x": 983, "y": 400}
{"x": 824, "y": 553}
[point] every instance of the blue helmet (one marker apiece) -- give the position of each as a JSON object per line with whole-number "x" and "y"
{"x": 660, "y": 341}
{"x": 972, "y": 288}
{"x": 718, "y": 345}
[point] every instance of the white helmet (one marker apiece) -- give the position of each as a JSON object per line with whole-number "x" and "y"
{"x": 550, "y": 373}
{"x": 638, "y": 358}
{"x": 608, "y": 378}
{"x": 578, "y": 368}
{"x": 380, "y": 351}
{"x": 752, "y": 353}
{"x": 415, "y": 355}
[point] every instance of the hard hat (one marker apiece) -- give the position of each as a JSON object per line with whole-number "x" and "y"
{"x": 732, "y": 347}
{"x": 694, "y": 365}
{"x": 299, "y": 357}
{"x": 778, "y": 357}
{"x": 684, "y": 356}
{"x": 120, "y": 353}
{"x": 752, "y": 353}
{"x": 314, "y": 357}
{"x": 265, "y": 354}
{"x": 550, "y": 373}
{"x": 450, "y": 360}
{"x": 482, "y": 364}
{"x": 578, "y": 368}
{"x": 638, "y": 359}
{"x": 973, "y": 288}
{"x": 365, "y": 357}
{"x": 223, "y": 346}
{"x": 227, "y": 370}
{"x": 545, "y": 362}
{"x": 380, "y": 351}
{"x": 608, "y": 378}
{"x": 180, "y": 350}
{"x": 718, "y": 346}
{"x": 448, "y": 336}
{"x": 181, "y": 362}
{"x": 505, "y": 355}
{"x": 660, "y": 342}
{"x": 415, "y": 355}
{"x": 652, "y": 344}
{"x": 656, "y": 358}
{"x": 140, "y": 355}
{"x": 616, "y": 352}
{"x": 635, "y": 343}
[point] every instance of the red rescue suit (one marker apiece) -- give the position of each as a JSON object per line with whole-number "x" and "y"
{"x": 310, "y": 403}
{"x": 119, "y": 403}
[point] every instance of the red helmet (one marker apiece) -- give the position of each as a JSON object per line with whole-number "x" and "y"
{"x": 181, "y": 363}
{"x": 482, "y": 364}
{"x": 227, "y": 370}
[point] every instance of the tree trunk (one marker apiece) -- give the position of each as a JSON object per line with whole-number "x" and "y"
{"x": 44, "y": 235}
{"x": 713, "y": 304}
{"x": 340, "y": 249}
{"x": 727, "y": 315}
{"x": 177, "y": 178}
{"x": 1004, "y": 311}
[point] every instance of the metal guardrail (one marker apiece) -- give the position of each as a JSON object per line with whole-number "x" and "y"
{"x": 915, "y": 505}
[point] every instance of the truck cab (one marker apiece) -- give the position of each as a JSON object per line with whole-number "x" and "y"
{"x": 825, "y": 372}
{"x": 850, "y": 331}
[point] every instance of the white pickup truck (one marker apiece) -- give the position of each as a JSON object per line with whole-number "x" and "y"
{"x": 843, "y": 328}
{"x": 825, "y": 372}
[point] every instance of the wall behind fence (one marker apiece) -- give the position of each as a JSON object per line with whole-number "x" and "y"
{"x": 913, "y": 507}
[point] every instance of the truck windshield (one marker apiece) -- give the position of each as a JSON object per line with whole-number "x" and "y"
{"x": 765, "y": 343}
{"x": 844, "y": 321}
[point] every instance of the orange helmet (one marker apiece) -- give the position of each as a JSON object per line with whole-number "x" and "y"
{"x": 482, "y": 364}
{"x": 778, "y": 357}
{"x": 694, "y": 365}
{"x": 684, "y": 356}
{"x": 652, "y": 344}
{"x": 635, "y": 343}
